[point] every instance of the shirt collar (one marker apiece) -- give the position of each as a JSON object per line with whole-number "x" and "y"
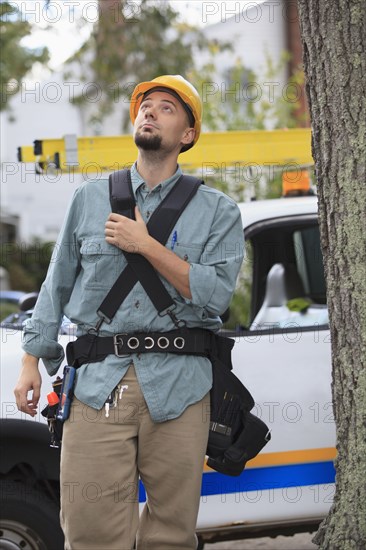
{"x": 164, "y": 187}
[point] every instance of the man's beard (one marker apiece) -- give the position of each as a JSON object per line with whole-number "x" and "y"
{"x": 148, "y": 142}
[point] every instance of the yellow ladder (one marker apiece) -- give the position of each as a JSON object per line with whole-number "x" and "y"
{"x": 213, "y": 150}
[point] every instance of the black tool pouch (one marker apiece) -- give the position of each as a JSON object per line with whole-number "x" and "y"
{"x": 251, "y": 436}
{"x": 235, "y": 434}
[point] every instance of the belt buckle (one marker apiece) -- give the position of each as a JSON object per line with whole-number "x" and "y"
{"x": 118, "y": 341}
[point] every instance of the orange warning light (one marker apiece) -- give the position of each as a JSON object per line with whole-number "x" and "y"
{"x": 295, "y": 183}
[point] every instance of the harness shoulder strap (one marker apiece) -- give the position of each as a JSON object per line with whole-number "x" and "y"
{"x": 165, "y": 216}
{"x": 121, "y": 194}
{"x": 160, "y": 226}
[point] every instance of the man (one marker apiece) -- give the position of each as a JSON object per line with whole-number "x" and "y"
{"x": 155, "y": 421}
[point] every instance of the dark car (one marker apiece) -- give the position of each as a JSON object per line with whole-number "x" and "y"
{"x": 22, "y": 304}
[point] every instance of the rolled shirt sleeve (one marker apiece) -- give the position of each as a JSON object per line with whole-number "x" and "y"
{"x": 212, "y": 279}
{"x": 41, "y": 331}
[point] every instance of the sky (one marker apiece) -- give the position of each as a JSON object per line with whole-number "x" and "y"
{"x": 57, "y": 27}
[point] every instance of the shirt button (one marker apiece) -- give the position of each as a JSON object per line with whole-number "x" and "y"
{"x": 137, "y": 304}
{"x": 148, "y": 214}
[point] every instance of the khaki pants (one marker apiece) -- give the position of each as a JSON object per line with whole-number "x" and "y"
{"x": 100, "y": 463}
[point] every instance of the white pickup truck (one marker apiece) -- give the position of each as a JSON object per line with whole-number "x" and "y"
{"x": 282, "y": 356}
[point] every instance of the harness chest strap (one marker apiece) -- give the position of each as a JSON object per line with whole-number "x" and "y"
{"x": 160, "y": 226}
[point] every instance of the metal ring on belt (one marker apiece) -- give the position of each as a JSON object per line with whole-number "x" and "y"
{"x": 145, "y": 343}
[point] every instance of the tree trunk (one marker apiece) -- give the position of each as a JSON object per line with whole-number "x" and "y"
{"x": 333, "y": 35}
{"x": 294, "y": 46}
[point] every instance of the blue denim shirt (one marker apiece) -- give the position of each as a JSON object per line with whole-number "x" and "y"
{"x": 208, "y": 235}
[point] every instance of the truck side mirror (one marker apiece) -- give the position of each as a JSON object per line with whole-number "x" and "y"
{"x": 28, "y": 301}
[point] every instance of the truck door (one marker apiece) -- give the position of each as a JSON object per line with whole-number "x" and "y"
{"x": 282, "y": 354}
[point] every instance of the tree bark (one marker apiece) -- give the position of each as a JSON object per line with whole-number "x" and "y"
{"x": 294, "y": 46}
{"x": 333, "y": 35}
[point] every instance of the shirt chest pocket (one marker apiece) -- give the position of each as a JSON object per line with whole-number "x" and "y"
{"x": 101, "y": 263}
{"x": 190, "y": 252}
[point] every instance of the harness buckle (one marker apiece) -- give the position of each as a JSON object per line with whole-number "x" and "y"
{"x": 118, "y": 341}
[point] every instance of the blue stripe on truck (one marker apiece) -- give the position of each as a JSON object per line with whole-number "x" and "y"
{"x": 261, "y": 479}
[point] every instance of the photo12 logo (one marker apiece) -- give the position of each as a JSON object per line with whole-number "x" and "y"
{"x": 249, "y": 12}
{"x": 39, "y": 12}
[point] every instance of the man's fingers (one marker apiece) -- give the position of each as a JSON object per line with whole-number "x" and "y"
{"x": 138, "y": 215}
{"x": 109, "y": 232}
{"x": 28, "y": 384}
{"x": 20, "y": 397}
{"x": 25, "y": 405}
{"x": 114, "y": 217}
{"x": 28, "y": 406}
{"x": 36, "y": 394}
{"x": 29, "y": 381}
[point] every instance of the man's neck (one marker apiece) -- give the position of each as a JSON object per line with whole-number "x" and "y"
{"x": 154, "y": 169}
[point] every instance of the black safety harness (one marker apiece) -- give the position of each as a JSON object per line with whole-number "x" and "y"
{"x": 235, "y": 434}
{"x": 193, "y": 341}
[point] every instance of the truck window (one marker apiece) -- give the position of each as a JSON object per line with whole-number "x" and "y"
{"x": 310, "y": 263}
{"x": 294, "y": 244}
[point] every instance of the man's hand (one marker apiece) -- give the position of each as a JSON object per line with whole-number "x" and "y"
{"x": 127, "y": 234}
{"x": 133, "y": 236}
{"x": 29, "y": 380}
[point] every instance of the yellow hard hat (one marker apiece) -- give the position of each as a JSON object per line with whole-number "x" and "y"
{"x": 182, "y": 89}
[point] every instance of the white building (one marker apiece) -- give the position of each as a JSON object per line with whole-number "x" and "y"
{"x": 255, "y": 31}
{"x": 39, "y": 201}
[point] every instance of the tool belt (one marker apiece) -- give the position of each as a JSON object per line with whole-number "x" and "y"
{"x": 91, "y": 348}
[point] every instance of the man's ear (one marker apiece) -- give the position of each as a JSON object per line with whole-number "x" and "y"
{"x": 188, "y": 136}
